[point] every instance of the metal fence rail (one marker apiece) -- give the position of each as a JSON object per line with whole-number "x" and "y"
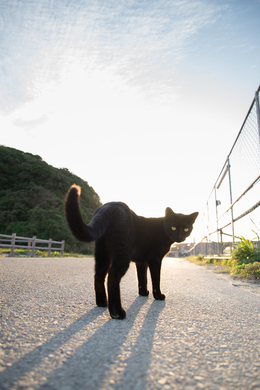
{"x": 31, "y": 244}
{"x": 232, "y": 206}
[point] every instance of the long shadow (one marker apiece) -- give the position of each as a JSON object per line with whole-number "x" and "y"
{"x": 139, "y": 361}
{"x": 91, "y": 364}
{"x": 96, "y": 343}
{"x": 31, "y": 359}
{"x": 87, "y": 367}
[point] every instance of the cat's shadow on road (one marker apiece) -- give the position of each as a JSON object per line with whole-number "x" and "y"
{"x": 115, "y": 353}
{"x": 139, "y": 360}
{"x": 111, "y": 352}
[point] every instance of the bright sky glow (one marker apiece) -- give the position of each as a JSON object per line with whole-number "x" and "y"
{"x": 142, "y": 99}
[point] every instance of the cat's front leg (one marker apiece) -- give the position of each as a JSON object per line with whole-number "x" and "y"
{"x": 142, "y": 278}
{"x": 155, "y": 270}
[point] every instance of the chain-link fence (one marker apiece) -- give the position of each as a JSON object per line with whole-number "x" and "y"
{"x": 232, "y": 207}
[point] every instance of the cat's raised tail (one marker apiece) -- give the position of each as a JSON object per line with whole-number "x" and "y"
{"x": 73, "y": 216}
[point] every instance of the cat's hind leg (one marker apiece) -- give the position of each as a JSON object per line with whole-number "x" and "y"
{"x": 142, "y": 278}
{"x": 116, "y": 272}
{"x": 155, "y": 269}
{"x": 102, "y": 265}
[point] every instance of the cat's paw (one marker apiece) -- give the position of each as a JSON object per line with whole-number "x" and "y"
{"x": 158, "y": 295}
{"x": 143, "y": 292}
{"x": 101, "y": 303}
{"x": 118, "y": 315}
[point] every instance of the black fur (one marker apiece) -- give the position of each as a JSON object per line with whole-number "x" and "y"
{"x": 122, "y": 236}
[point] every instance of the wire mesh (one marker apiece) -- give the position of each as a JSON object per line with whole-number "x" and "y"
{"x": 245, "y": 155}
{"x": 232, "y": 209}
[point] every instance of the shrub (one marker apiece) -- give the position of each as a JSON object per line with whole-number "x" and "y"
{"x": 244, "y": 252}
{"x": 246, "y": 258}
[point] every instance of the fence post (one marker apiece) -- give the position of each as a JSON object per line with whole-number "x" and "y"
{"x": 221, "y": 240}
{"x": 28, "y": 247}
{"x": 33, "y": 245}
{"x": 208, "y": 220}
{"x": 257, "y": 112}
{"x": 216, "y": 205}
{"x": 49, "y": 247}
{"x": 62, "y": 247}
{"x": 231, "y": 200}
{"x": 12, "y": 244}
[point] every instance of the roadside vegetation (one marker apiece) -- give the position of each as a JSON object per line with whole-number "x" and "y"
{"x": 5, "y": 252}
{"x": 244, "y": 261}
{"x": 218, "y": 265}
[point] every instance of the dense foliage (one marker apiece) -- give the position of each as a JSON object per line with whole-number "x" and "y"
{"x": 32, "y": 196}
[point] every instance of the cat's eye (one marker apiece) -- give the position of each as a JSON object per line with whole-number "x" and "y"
{"x": 174, "y": 228}
{"x": 186, "y": 230}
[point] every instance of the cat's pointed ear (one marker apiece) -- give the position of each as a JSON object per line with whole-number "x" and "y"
{"x": 169, "y": 212}
{"x": 193, "y": 217}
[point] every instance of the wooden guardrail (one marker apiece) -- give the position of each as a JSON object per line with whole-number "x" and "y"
{"x": 30, "y": 244}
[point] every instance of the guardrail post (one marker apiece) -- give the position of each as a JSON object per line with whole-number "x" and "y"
{"x": 257, "y": 112}
{"x": 49, "y": 247}
{"x": 29, "y": 247}
{"x": 62, "y": 247}
{"x": 216, "y": 206}
{"x": 12, "y": 244}
{"x": 33, "y": 245}
{"x": 231, "y": 200}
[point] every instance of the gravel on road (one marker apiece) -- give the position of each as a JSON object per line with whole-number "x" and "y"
{"x": 205, "y": 335}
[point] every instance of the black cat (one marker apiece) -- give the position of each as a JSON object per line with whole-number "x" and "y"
{"x": 122, "y": 236}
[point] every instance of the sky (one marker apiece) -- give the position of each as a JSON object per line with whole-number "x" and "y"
{"x": 141, "y": 99}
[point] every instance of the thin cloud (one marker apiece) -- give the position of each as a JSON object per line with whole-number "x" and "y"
{"x": 30, "y": 124}
{"x": 142, "y": 41}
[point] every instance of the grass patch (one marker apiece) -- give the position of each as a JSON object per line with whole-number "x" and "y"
{"x": 5, "y": 252}
{"x": 217, "y": 265}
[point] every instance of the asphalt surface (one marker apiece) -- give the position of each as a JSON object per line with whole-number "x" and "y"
{"x": 204, "y": 336}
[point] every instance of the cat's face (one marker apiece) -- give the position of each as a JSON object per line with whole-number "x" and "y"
{"x": 178, "y": 226}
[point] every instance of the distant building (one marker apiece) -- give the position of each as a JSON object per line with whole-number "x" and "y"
{"x": 180, "y": 250}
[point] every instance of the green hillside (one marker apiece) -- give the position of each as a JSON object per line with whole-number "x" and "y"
{"x": 32, "y": 195}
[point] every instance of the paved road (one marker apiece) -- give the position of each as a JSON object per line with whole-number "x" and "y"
{"x": 204, "y": 336}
